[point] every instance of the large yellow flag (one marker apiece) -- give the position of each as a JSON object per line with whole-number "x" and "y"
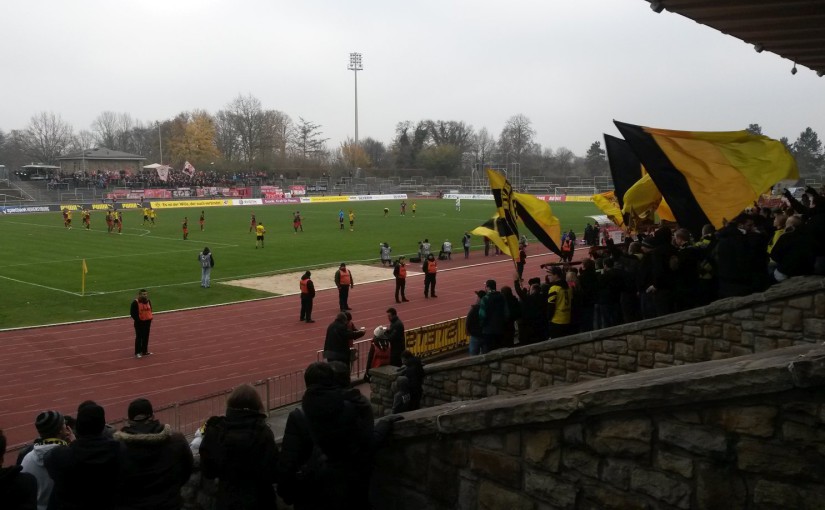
{"x": 707, "y": 177}
{"x": 497, "y": 231}
{"x": 537, "y": 216}
{"x": 643, "y": 198}
{"x": 503, "y": 195}
{"x": 610, "y": 206}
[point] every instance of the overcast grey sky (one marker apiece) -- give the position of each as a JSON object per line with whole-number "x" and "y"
{"x": 571, "y": 66}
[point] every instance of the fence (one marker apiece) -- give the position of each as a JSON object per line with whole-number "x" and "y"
{"x": 282, "y": 390}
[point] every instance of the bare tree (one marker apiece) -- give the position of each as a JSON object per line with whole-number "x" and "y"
{"x": 46, "y": 137}
{"x": 307, "y": 142}
{"x": 483, "y": 146}
{"x": 376, "y": 152}
{"x": 248, "y": 122}
{"x": 516, "y": 136}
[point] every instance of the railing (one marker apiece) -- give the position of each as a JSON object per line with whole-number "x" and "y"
{"x": 189, "y": 415}
{"x": 358, "y": 367}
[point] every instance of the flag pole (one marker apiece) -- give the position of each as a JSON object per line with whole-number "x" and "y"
{"x": 83, "y": 271}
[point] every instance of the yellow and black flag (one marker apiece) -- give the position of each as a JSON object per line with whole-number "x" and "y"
{"x": 625, "y": 167}
{"x": 609, "y": 205}
{"x": 707, "y": 177}
{"x": 503, "y": 195}
{"x": 537, "y": 216}
{"x": 499, "y": 233}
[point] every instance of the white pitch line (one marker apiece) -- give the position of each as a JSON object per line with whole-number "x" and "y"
{"x": 38, "y": 285}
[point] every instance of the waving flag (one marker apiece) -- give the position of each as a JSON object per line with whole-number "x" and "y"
{"x": 539, "y": 220}
{"x": 499, "y": 233}
{"x": 189, "y": 169}
{"x": 707, "y": 177}
{"x": 503, "y": 195}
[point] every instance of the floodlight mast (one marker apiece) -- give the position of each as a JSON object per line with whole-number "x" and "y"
{"x": 355, "y": 66}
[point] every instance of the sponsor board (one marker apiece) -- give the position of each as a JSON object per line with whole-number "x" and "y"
{"x": 71, "y": 207}
{"x": 102, "y": 207}
{"x": 579, "y": 198}
{"x": 551, "y": 198}
{"x": 273, "y": 201}
{"x": 247, "y": 201}
{"x": 131, "y": 205}
{"x": 437, "y": 338}
{"x": 334, "y": 198}
{"x": 297, "y": 190}
{"x": 189, "y": 203}
{"x": 466, "y": 196}
{"x": 27, "y": 209}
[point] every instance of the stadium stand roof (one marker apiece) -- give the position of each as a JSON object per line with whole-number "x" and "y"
{"x": 793, "y": 29}
{"x": 101, "y": 153}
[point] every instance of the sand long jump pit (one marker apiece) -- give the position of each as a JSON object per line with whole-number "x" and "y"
{"x": 323, "y": 278}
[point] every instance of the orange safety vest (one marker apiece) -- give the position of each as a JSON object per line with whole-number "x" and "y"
{"x": 305, "y": 286}
{"x": 402, "y": 272}
{"x": 432, "y": 267}
{"x": 567, "y": 245}
{"x": 144, "y": 311}
{"x": 344, "y": 277}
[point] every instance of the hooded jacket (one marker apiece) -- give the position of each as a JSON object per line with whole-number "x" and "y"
{"x": 158, "y": 463}
{"x": 34, "y": 463}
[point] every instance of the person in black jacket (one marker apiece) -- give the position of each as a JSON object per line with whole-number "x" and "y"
{"x": 473, "y": 325}
{"x": 413, "y": 370}
{"x": 18, "y": 490}
{"x": 158, "y": 461}
{"x": 732, "y": 261}
{"x": 397, "y": 336}
{"x": 532, "y": 325}
{"x": 793, "y": 251}
{"x": 339, "y": 339}
{"x": 493, "y": 313}
{"x": 87, "y": 472}
{"x": 307, "y": 296}
{"x": 239, "y": 450}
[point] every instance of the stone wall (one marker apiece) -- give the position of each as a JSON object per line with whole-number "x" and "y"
{"x": 787, "y": 314}
{"x": 739, "y": 433}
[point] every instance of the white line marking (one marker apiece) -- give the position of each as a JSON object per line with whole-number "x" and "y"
{"x": 42, "y": 286}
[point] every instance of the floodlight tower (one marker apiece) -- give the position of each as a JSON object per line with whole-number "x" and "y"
{"x": 355, "y": 66}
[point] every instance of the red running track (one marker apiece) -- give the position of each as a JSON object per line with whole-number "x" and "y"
{"x": 201, "y": 351}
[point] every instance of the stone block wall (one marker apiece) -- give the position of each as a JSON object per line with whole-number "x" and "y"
{"x": 787, "y": 314}
{"x": 732, "y": 434}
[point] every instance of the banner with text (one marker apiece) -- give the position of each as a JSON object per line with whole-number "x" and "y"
{"x": 189, "y": 203}
{"x": 437, "y": 338}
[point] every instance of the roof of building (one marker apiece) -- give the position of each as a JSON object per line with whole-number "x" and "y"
{"x": 101, "y": 153}
{"x": 792, "y": 29}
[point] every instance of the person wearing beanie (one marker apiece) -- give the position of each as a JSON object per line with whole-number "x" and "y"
{"x": 307, "y": 296}
{"x": 87, "y": 472}
{"x": 18, "y": 490}
{"x": 158, "y": 462}
{"x": 52, "y": 433}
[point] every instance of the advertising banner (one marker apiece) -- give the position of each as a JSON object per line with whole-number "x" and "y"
{"x": 317, "y": 188}
{"x": 157, "y": 193}
{"x": 271, "y": 189}
{"x": 27, "y": 209}
{"x": 437, "y": 338}
{"x": 298, "y": 190}
{"x": 334, "y": 198}
{"x": 189, "y": 203}
{"x": 579, "y": 198}
{"x": 467, "y": 196}
{"x": 182, "y": 193}
{"x": 551, "y": 198}
{"x": 273, "y": 201}
{"x": 247, "y": 201}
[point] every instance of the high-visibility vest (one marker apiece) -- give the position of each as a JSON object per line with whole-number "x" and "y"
{"x": 402, "y": 272}
{"x": 432, "y": 267}
{"x": 305, "y": 286}
{"x": 344, "y": 277}
{"x": 144, "y": 311}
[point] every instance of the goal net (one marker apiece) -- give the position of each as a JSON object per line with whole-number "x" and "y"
{"x": 576, "y": 190}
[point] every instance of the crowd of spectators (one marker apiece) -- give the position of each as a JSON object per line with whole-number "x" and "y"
{"x": 324, "y": 461}
{"x": 658, "y": 272}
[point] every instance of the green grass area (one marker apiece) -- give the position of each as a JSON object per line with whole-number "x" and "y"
{"x": 40, "y": 261}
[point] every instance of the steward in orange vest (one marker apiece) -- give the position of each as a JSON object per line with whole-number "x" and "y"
{"x": 141, "y": 313}
{"x": 400, "y": 273}
{"x": 307, "y": 295}
{"x": 343, "y": 280}
{"x": 430, "y": 268}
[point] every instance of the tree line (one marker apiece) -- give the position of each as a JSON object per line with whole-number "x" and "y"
{"x": 244, "y": 136}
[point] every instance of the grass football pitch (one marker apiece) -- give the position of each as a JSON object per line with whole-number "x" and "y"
{"x": 41, "y": 271}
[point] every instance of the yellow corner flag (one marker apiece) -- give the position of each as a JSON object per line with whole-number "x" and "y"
{"x": 85, "y": 269}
